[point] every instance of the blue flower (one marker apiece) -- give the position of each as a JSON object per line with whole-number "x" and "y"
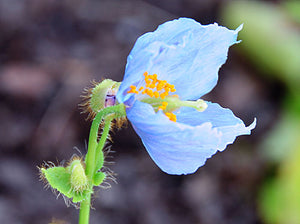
{"x": 167, "y": 71}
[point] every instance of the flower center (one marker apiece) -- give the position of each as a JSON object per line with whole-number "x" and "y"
{"x": 159, "y": 89}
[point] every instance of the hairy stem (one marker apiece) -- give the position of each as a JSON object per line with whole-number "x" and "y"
{"x": 104, "y": 136}
{"x": 84, "y": 212}
{"x": 95, "y": 153}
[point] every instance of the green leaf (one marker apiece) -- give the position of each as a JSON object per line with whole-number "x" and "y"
{"x": 99, "y": 160}
{"x": 98, "y": 178}
{"x": 78, "y": 197}
{"x": 59, "y": 179}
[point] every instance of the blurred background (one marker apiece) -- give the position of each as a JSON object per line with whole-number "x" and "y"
{"x": 50, "y": 51}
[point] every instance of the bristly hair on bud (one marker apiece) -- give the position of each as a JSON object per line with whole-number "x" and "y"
{"x": 99, "y": 96}
{"x": 78, "y": 180}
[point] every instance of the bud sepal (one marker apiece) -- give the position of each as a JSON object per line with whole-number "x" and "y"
{"x": 70, "y": 181}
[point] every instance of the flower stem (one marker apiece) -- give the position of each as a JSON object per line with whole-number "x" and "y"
{"x": 95, "y": 152}
{"x": 99, "y": 150}
{"x": 84, "y": 213}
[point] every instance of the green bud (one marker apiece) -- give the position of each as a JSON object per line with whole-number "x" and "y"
{"x": 70, "y": 181}
{"x": 103, "y": 95}
{"x": 78, "y": 179}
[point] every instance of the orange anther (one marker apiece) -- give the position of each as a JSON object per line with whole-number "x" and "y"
{"x": 156, "y": 88}
{"x": 159, "y": 87}
{"x": 164, "y": 104}
{"x": 171, "y": 116}
{"x": 164, "y": 94}
{"x": 156, "y": 94}
{"x": 132, "y": 89}
{"x": 150, "y": 93}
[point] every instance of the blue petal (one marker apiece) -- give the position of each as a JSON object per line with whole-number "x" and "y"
{"x": 183, "y": 52}
{"x": 177, "y": 148}
{"x": 181, "y": 148}
{"x": 221, "y": 118}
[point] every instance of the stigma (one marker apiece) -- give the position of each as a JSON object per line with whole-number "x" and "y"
{"x": 159, "y": 89}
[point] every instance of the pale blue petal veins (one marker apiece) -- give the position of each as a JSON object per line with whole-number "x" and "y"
{"x": 177, "y": 49}
{"x": 221, "y": 119}
{"x": 175, "y": 147}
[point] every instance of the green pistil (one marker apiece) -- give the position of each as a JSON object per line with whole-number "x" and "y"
{"x": 175, "y": 103}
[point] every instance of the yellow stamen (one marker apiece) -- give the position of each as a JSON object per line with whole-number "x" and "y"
{"x": 152, "y": 86}
{"x": 150, "y": 92}
{"x": 163, "y": 95}
{"x": 132, "y": 89}
{"x": 163, "y": 88}
{"x": 163, "y": 106}
{"x": 156, "y": 94}
{"x": 171, "y": 116}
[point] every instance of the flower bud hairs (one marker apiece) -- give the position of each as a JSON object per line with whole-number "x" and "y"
{"x": 99, "y": 96}
{"x": 167, "y": 72}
